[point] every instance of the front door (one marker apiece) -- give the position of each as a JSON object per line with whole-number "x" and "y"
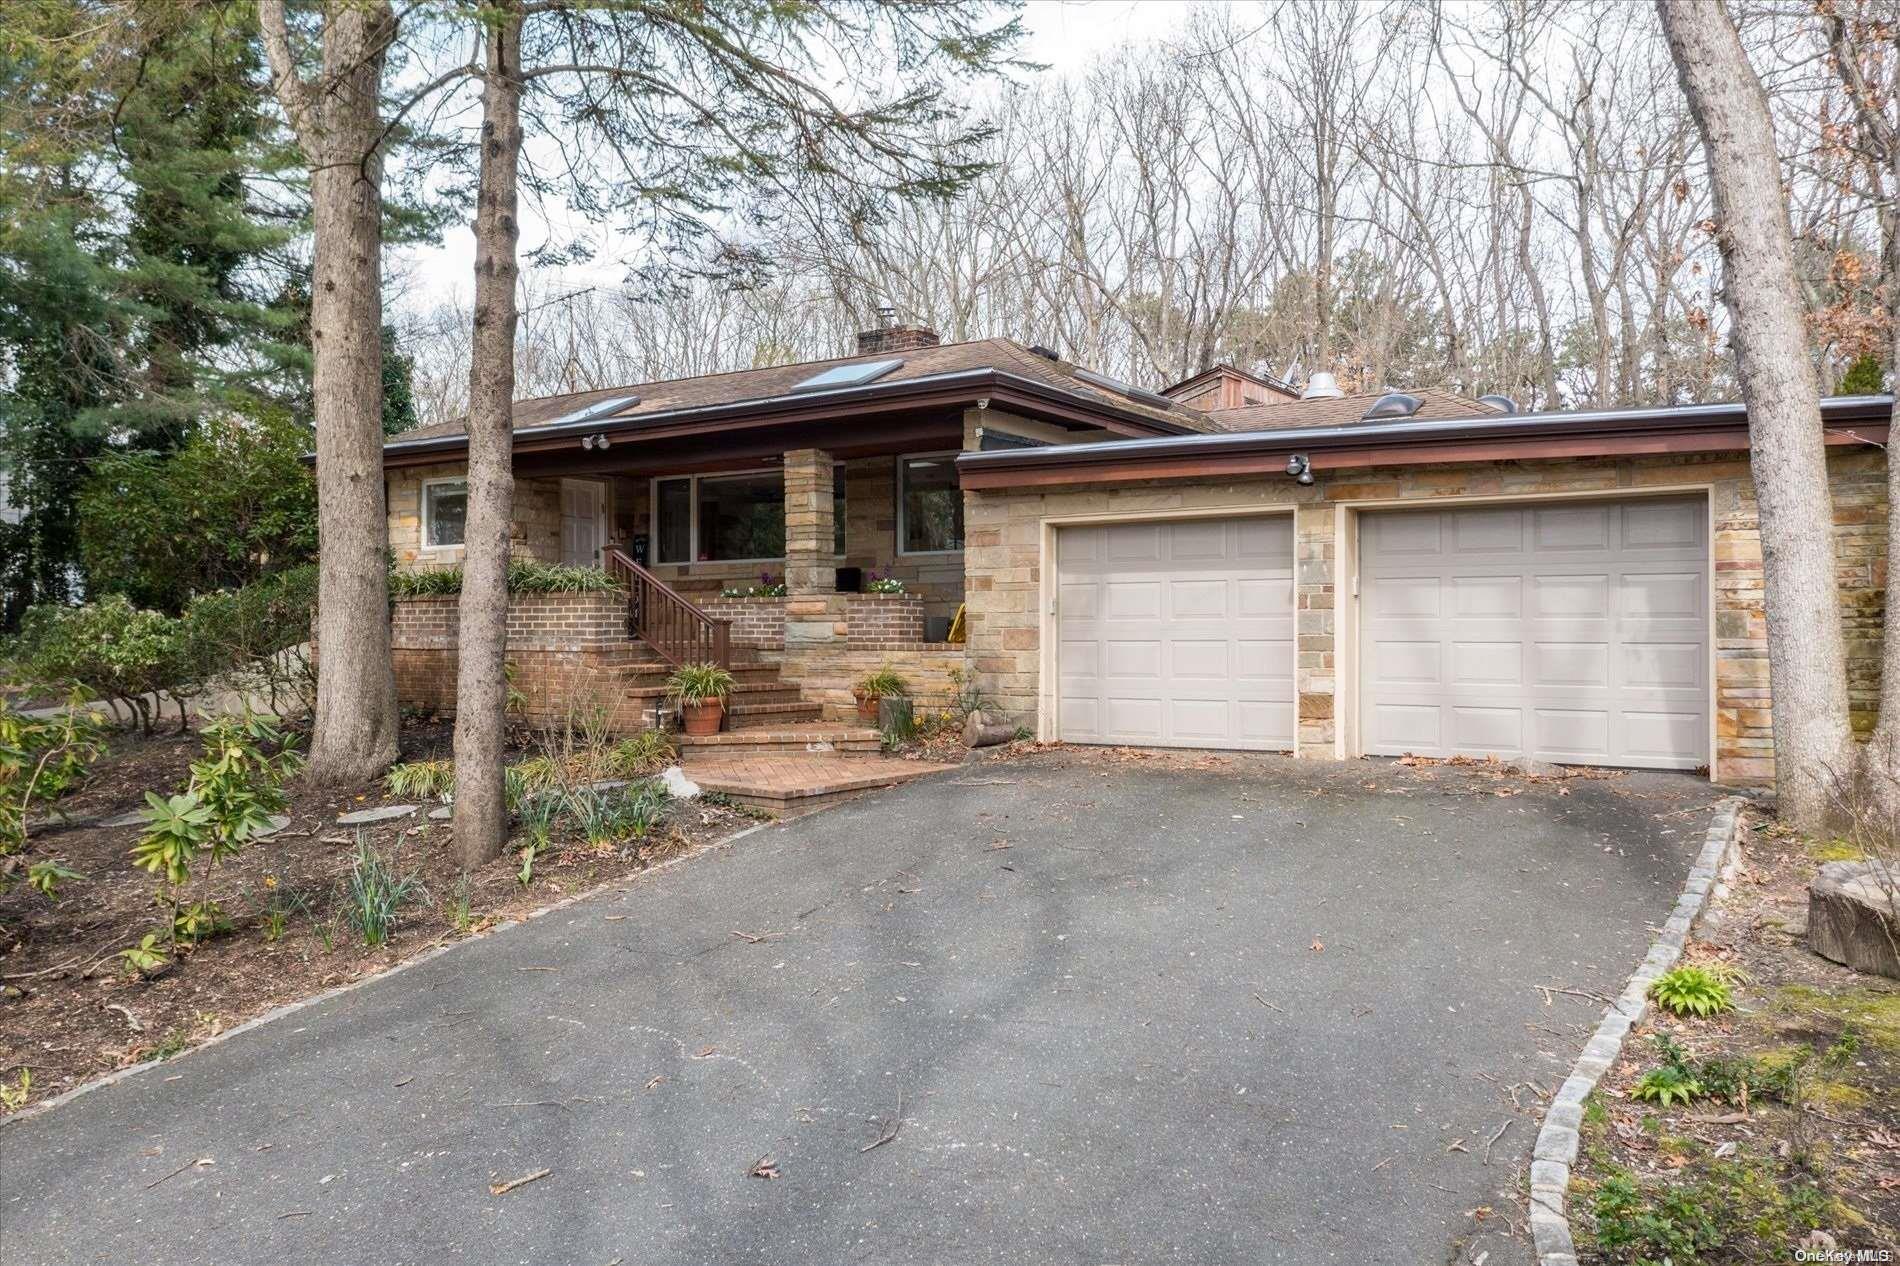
{"x": 583, "y": 522}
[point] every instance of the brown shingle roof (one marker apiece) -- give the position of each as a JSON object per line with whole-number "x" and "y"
{"x": 1340, "y": 410}
{"x": 778, "y": 380}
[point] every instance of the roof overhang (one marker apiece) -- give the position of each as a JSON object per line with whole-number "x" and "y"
{"x": 1712, "y": 428}
{"x": 958, "y": 390}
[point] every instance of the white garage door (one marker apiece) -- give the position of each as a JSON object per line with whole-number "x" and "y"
{"x": 1573, "y": 632}
{"x": 1176, "y": 634}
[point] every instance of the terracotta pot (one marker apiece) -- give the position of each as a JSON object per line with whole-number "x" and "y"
{"x": 702, "y": 716}
{"x": 867, "y": 708}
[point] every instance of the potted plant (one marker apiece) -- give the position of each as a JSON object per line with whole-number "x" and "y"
{"x": 882, "y": 684}
{"x": 701, "y": 691}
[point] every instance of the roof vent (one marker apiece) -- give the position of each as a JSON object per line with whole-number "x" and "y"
{"x": 1322, "y": 386}
{"x": 1393, "y": 404}
{"x": 1047, "y": 353}
{"x": 1503, "y": 404}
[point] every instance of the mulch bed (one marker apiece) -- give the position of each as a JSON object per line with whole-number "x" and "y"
{"x": 1816, "y": 1169}
{"x": 71, "y": 1010}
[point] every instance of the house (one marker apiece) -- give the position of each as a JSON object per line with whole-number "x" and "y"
{"x": 1330, "y": 575}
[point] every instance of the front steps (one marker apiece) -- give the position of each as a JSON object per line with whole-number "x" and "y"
{"x": 777, "y": 753}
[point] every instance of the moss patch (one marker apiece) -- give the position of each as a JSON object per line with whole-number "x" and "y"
{"x": 1834, "y": 851}
{"x": 1874, "y": 1016}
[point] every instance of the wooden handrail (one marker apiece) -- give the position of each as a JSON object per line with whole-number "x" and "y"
{"x": 657, "y": 614}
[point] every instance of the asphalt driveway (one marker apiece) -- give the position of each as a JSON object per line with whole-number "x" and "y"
{"x": 1103, "y": 1011}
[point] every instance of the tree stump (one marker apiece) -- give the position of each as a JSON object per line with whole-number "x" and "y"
{"x": 1854, "y": 916}
{"x": 980, "y": 731}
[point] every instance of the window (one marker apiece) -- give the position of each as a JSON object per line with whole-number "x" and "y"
{"x": 929, "y": 505}
{"x": 730, "y": 518}
{"x": 444, "y": 513}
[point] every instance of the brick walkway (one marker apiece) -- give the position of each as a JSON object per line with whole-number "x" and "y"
{"x": 797, "y": 782}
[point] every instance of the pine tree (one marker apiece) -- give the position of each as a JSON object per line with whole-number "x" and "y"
{"x": 1863, "y": 378}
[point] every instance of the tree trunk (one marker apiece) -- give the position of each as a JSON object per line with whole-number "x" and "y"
{"x": 481, "y": 687}
{"x": 1806, "y": 652}
{"x": 339, "y": 124}
{"x": 1880, "y": 758}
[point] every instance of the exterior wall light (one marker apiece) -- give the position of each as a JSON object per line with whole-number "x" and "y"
{"x": 1300, "y": 468}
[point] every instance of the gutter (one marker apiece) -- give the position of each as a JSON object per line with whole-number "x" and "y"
{"x": 1679, "y": 428}
{"x": 959, "y": 386}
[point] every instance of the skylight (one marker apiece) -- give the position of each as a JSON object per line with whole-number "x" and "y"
{"x": 855, "y": 374}
{"x": 1121, "y": 388}
{"x": 599, "y": 409}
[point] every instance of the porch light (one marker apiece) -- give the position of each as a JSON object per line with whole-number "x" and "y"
{"x": 1300, "y": 468}
{"x": 596, "y": 441}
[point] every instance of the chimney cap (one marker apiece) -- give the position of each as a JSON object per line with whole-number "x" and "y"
{"x": 886, "y": 316}
{"x": 1322, "y": 386}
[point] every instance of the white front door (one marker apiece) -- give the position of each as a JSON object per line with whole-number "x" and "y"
{"x": 583, "y": 522}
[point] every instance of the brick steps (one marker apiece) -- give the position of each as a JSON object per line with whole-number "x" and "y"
{"x": 781, "y": 739}
{"x": 746, "y": 716}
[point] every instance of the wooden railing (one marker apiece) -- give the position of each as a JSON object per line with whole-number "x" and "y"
{"x": 678, "y": 631}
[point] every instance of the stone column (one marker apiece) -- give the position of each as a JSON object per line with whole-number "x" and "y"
{"x": 1315, "y": 591}
{"x": 814, "y": 609}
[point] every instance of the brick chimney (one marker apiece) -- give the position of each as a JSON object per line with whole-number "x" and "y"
{"x": 889, "y": 336}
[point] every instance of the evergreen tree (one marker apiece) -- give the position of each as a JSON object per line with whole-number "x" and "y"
{"x": 1863, "y": 378}
{"x": 399, "y": 396}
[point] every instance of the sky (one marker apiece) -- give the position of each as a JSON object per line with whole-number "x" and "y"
{"x": 1064, "y": 35}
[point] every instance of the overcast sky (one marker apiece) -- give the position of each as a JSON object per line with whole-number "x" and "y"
{"x": 1063, "y": 34}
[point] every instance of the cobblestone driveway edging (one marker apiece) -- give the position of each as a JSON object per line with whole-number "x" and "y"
{"x": 1556, "y": 1149}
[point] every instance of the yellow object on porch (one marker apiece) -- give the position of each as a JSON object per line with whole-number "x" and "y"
{"x": 957, "y": 632}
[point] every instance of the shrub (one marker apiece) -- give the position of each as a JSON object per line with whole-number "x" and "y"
{"x": 111, "y": 648}
{"x": 1691, "y": 991}
{"x": 232, "y": 504}
{"x": 524, "y": 576}
{"x": 42, "y": 759}
{"x": 234, "y": 789}
{"x": 257, "y": 637}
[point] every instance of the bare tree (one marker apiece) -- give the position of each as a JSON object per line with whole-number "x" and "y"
{"x": 1806, "y": 652}
{"x": 481, "y": 683}
{"x": 1864, "y": 43}
{"x": 338, "y": 120}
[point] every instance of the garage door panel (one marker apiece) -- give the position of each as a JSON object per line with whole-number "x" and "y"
{"x": 1571, "y": 529}
{"x": 1663, "y": 525}
{"x": 1499, "y": 531}
{"x": 1573, "y": 733}
{"x": 1481, "y": 596}
{"x": 1663, "y": 596}
{"x": 1492, "y": 731}
{"x": 1588, "y": 642}
{"x": 1572, "y": 664}
{"x": 1188, "y": 636}
{"x": 1561, "y": 597}
{"x": 1487, "y": 663}
{"x": 1131, "y": 600}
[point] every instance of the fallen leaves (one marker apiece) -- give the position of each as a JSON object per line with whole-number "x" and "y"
{"x": 764, "y": 1167}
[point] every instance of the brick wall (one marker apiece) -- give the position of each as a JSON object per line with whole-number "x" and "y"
{"x": 1004, "y": 539}
{"x": 543, "y": 621}
{"x": 875, "y": 621}
{"x": 563, "y": 649}
{"x": 755, "y": 621}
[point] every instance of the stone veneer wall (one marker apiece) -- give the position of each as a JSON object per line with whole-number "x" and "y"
{"x": 1004, "y": 534}
{"x": 537, "y": 519}
{"x": 563, "y": 648}
{"x": 826, "y": 673}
